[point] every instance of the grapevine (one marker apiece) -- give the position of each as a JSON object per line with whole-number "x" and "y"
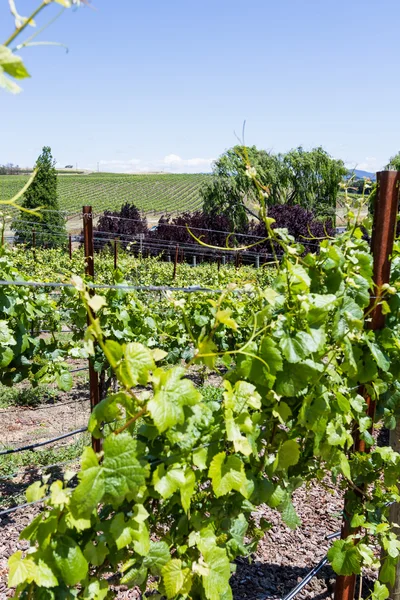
{"x": 172, "y": 493}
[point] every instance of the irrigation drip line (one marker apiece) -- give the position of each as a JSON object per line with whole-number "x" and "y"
{"x": 45, "y": 443}
{"x": 15, "y": 508}
{"x": 44, "y": 407}
{"x": 38, "y": 468}
{"x": 304, "y": 581}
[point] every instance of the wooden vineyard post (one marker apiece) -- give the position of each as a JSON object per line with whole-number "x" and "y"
{"x": 176, "y": 260}
{"x": 115, "y": 253}
{"x": 89, "y": 270}
{"x": 70, "y": 246}
{"x": 383, "y": 233}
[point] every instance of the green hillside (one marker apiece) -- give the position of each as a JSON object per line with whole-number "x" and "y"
{"x": 108, "y": 191}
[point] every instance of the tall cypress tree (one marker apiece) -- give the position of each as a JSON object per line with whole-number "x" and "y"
{"x": 49, "y": 225}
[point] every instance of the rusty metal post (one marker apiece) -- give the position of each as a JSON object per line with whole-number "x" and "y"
{"x": 176, "y": 260}
{"x": 89, "y": 270}
{"x": 115, "y": 253}
{"x": 70, "y": 246}
{"x": 34, "y": 243}
{"x": 383, "y": 234}
{"x": 219, "y": 262}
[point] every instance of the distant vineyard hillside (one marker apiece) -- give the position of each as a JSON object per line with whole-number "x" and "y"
{"x": 105, "y": 191}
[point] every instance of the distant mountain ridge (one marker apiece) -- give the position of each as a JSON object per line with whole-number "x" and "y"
{"x": 361, "y": 174}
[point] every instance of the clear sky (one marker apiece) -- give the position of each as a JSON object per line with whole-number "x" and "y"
{"x": 155, "y": 85}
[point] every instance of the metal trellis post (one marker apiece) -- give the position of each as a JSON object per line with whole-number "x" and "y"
{"x": 176, "y": 260}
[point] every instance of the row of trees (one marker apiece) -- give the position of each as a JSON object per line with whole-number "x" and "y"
{"x": 128, "y": 224}
{"x": 9, "y": 169}
{"x": 306, "y": 179}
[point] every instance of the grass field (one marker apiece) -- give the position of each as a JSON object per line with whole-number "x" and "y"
{"x": 107, "y": 191}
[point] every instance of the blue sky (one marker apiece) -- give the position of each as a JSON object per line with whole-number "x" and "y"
{"x": 161, "y": 85}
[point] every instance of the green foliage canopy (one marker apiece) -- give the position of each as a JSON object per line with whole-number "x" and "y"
{"x": 308, "y": 178}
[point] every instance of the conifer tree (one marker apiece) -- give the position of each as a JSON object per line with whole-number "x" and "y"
{"x": 49, "y": 224}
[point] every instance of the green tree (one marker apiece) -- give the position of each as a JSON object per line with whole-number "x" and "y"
{"x": 394, "y": 163}
{"x": 42, "y": 193}
{"x": 311, "y": 179}
{"x": 308, "y": 178}
{"x": 231, "y": 191}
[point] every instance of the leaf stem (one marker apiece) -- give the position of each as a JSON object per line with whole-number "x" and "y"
{"x": 24, "y": 25}
{"x": 131, "y": 421}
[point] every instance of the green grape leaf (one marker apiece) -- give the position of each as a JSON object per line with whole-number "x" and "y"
{"x": 270, "y": 353}
{"x": 344, "y": 558}
{"x": 157, "y": 557}
{"x": 242, "y": 396}
{"x": 288, "y": 454}
{"x": 177, "y": 580}
{"x": 378, "y": 355}
{"x": 136, "y": 365}
{"x": 91, "y": 487}
{"x": 134, "y": 577}
{"x": 95, "y": 590}
{"x": 95, "y": 554}
{"x": 123, "y": 474}
{"x": 387, "y": 573}
{"x": 71, "y": 563}
{"x": 216, "y": 582}
{"x": 294, "y": 349}
{"x": 121, "y": 531}
{"x": 227, "y": 474}
{"x": 289, "y": 515}
{"x": 224, "y": 317}
{"x": 64, "y": 381}
{"x": 380, "y": 592}
{"x": 233, "y": 434}
{"x": 209, "y": 349}
{"x": 44, "y": 576}
{"x": 97, "y": 302}
{"x": 6, "y": 356}
{"x": 172, "y": 393}
{"x": 21, "y": 570}
{"x": 36, "y": 491}
{"x": 175, "y": 479}
{"x": 299, "y": 278}
{"x": 12, "y": 64}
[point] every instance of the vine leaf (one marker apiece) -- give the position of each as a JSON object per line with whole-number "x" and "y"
{"x": 344, "y": 558}
{"x": 70, "y": 562}
{"x": 177, "y": 580}
{"x": 227, "y": 475}
{"x": 172, "y": 393}
{"x": 288, "y": 454}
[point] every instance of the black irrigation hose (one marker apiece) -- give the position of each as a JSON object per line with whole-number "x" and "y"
{"x": 304, "y": 581}
{"x": 15, "y": 508}
{"x": 302, "y": 584}
{"x": 33, "y": 446}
